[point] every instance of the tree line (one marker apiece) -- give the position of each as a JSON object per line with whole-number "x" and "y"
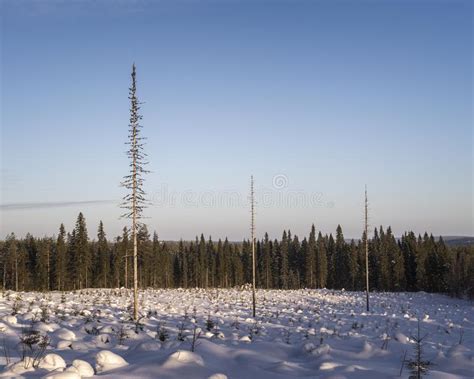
{"x": 73, "y": 261}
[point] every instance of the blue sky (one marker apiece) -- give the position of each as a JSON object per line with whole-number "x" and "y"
{"x": 325, "y": 95}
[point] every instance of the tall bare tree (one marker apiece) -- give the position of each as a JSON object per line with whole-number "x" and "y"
{"x": 134, "y": 202}
{"x": 252, "y": 231}
{"x": 366, "y": 207}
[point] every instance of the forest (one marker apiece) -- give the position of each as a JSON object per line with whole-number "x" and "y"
{"x": 75, "y": 260}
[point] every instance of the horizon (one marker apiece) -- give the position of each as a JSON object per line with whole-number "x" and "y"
{"x": 315, "y": 99}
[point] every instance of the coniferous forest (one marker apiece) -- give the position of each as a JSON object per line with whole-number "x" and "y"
{"x": 82, "y": 258}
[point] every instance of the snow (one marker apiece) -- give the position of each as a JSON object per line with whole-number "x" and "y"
{"x": 82, "y": 367}
{"x": 52, "y": 362}
{"x": 63, "y": 375}
{"x": 297, "y": 333}
{"x": 106, "y": 361}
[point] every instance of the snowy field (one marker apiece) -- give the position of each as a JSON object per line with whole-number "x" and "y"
{"x": 300, "y": 333}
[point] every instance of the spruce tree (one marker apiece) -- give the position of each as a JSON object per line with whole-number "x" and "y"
{"x": 11, "y": 272}
{"x": 182, "y": 252}
{"x": 121, "y": 260}
{"x": 383, "y": 262}
{"x": 202, "y": 257}
{"x": 342, "y": 265}
{"x": 396, "y": 263}
{"x": 330, "y": 249}
{"x": 284, "y": 270}
{"x": 135, "y": 202}
{"x": 43, "y": 269}
{"x": 82, "y": 254}
{"x": 211, "y": 259}
{"x": 354, "y": 265}
{"x": 103, "y": 263}
{"x": 408, "y": 246}
{"x": 266, "y": 262}
{"x": 61, "y": 259}
{"x": 321, "y": 262}
{"x": 310, "y": 260}
{"x": 226, "y": 253}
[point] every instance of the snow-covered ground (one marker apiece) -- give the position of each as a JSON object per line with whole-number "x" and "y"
{"x": 300, "y": 333}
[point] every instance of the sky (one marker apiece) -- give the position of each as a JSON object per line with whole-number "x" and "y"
{"x": 315, "y": 99}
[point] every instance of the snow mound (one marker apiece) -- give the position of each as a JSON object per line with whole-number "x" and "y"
{"x": 402, "y": 338}
{"x": 65, "y": 334}
{"x": 79, "y": 346}
{"x": 42, "y": 327}
{"x": 82, "y": 367}
{"x": 10, "y": 319}
{"x": 106, "y": 360}
{"x": 458, "y": 351}
{"x": 149, "y": 346}
{"x": 217, "y": 376}
{"x": 102, "y": 339}
{"x": 52, "y": 362}
{"x": 183, "y": 357}
{"x": 321, "y": 350}
{"x": 21, "y": 367}
{"x": 61, "y": 345}
{"x": 63, "y": 375}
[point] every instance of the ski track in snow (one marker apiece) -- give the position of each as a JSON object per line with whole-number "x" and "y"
{"x": 297, "y": 333}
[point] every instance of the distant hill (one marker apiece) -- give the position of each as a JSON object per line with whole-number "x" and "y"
{"x": 458, "y": 241}
{"x": 451, "y": 241}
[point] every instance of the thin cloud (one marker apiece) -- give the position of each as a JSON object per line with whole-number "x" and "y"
{"x": 52, "y": 204}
